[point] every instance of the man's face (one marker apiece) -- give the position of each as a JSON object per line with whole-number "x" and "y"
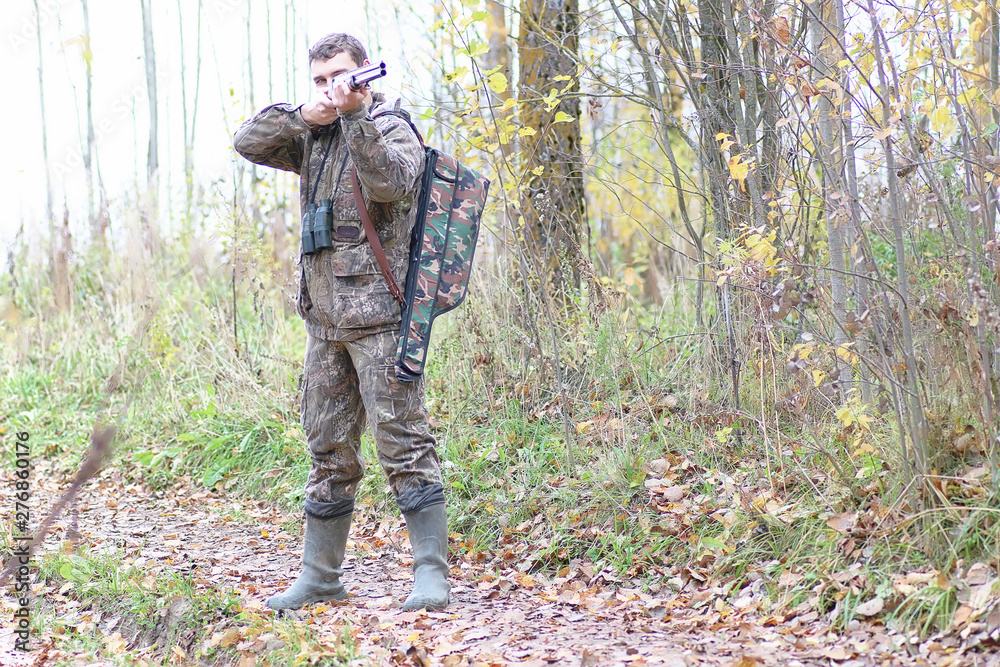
{"x": 323, "y": 71}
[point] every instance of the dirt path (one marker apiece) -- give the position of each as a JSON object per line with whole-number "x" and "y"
{"x": 499, "y": 616}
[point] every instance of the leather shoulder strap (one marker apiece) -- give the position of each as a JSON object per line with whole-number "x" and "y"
{"x": 373, "y": 239}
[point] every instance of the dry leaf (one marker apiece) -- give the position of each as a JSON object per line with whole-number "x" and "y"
{"x": 905, "y": 167}
{"x": 658, "y": 467}
{"x": 962, "y": 616}
{"x": 673, "y": 494}
{"x": 870, "y": 608}
{"x": 978, "y": 574}
{"x": 991, "y": 162}
{"x": 115, "y": 643}
{"x": 781, "y": 30}
{"x": 837, "y": 653}
{"x": 232, "y": 636}
{"x": 843, "y": 523}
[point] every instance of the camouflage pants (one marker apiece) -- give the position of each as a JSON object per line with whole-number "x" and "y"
{"x": 345, "y": 385}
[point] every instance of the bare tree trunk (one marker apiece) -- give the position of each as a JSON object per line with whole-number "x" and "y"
{"x": 189, "y": 121}
{"x": 767, "y": 93}
{"x": 270, "y": 46}
{"x": 289, "y": 43}
{"x": 716, "y": 108}
{"x": 918, "y": 426}
{"x": 152, "y": 154}
{"x": 743, "y": 105}
{"x": 715, "y": 105}
{"x": 991, "y": 193}
{"x": 858, "y": 263}
{"x": 49, "y": 206}
{"x": 62, "y": 246}
{"x": 827, "y": 43}
{"x": 96, "y": 229}
{"x": 552, "y": 203}
{"x": 250, "y": 93}
{"x": 254, "y": 177}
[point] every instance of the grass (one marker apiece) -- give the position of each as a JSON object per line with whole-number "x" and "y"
{"x": 196, "y": 400}
{"x": 123, "y": 615}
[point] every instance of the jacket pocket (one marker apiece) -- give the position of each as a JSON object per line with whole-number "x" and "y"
{"x": 357, "y": 268}
{"x": 351, "y": 291}
{"x": 375, "y": 309}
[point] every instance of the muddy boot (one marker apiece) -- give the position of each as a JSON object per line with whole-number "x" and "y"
{"x": 322, "y": 556}
{"x": 428, "y": 528}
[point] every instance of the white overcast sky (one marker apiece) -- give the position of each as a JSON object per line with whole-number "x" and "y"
{"x": 119, "y": 97}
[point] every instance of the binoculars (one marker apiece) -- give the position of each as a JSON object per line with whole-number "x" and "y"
{"x": 317, "y": 227}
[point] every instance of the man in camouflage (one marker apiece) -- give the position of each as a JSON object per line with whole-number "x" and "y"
{"x": 352, "y": 321}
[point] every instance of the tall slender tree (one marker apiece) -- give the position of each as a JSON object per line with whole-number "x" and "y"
{"x": 152, "y": 153}
{"x": 827, "y": 43}
{"x": 89, "y": 156}
{"x": 189, "y": 120}
{"x": 49, "y": 207}
{"x": 552, "y": 203}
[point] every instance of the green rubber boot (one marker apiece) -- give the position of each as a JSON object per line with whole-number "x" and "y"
{"x": 322, "y": 557}
{"x": 428, "y": 530}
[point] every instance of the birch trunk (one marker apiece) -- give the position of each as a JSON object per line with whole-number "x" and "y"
{"x": 152, "y": 152}
{"x": 49, "y": 205}
{"x": 189, "y": 120}
{"x": 89, "y": 158}
{"x": 827, "y": 43}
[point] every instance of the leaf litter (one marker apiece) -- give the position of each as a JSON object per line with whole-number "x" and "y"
{"x": 505, "y": 610}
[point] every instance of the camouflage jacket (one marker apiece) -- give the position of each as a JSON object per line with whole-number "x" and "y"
{"x": 342, "y": 292}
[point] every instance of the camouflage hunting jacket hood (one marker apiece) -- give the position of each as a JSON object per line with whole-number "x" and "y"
{"x": 342, "y": 292}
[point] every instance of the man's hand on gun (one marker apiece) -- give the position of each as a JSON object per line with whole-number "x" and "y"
{"x": 344, "y": 94}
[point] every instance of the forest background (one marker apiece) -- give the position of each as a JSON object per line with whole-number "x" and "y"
{"x": 734, "y": 313}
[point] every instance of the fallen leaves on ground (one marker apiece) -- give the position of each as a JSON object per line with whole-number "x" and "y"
{"x": 505, "y": 610}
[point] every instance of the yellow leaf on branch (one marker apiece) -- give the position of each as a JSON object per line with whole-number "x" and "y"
{"x": 968, "y": 96}
{"x": 738, "y": 169}
{"x": 497, "y": 82}
{"x": 845, "y": 354}
{"x": 943, "y": 122}
{"x": 976, "y": 30}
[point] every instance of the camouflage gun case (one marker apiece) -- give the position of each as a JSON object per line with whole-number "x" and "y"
{"x": 451, "y": 205}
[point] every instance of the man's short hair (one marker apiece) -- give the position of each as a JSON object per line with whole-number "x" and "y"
{"x": 338, "y": 42}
